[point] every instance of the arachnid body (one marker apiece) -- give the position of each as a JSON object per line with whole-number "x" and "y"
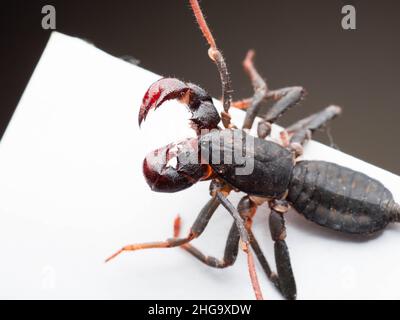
{"x": 266, "y": 171}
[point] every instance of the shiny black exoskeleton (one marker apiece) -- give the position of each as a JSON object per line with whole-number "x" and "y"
{"x": 330, "y": 195}
{"x": 325, "y": 193}
{"x": 267, "y": 172}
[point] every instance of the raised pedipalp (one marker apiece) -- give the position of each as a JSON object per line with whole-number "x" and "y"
{"x": 159, "y": 92}
{"x": 198, "y": 101}
{"x": 175, "y": 167}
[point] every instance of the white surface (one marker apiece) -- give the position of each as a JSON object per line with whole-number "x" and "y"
{"x": 72, "y": 193}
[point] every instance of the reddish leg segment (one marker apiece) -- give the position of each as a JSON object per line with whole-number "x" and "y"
{"x": 216, "y": 56}
{"x": 245, "y": 240}
{"x": 260, "y": 90}
{"x": 197, "y": 229}
{"x": 284, "y": 99}
{"x": 231, "y": 248}
{"x": 247, "y": 209}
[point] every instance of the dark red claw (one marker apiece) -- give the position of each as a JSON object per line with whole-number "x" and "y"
{"x": 159, "y": 92}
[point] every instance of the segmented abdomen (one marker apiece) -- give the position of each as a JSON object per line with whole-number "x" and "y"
{"x": 340, "y": 198}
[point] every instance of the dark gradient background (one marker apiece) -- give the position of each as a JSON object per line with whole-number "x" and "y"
{"x": 297, "y": 43}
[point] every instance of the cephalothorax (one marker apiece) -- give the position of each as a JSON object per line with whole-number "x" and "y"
{"x": 325, "y": 193}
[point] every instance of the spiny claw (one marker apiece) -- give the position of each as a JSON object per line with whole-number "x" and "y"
{"x": 159, "y": 92}
{"x": 199, "y": 102}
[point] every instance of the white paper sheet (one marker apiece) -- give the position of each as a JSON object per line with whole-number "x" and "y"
{"x": 72, "y": 192}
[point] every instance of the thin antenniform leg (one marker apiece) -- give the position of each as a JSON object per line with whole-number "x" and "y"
{"x": 301, "y": 131}
{"x": 201, "y": 21}
{"x": 197, "y": 228}
{"x": 286, "y": 281}
{"x": 216, "y": 56}
{"x": 263, "y": 260}
{"x": 247, "y": 210}
{"x": 245, "y": 241}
